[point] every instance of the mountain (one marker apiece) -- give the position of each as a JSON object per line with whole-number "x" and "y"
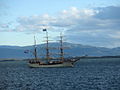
{"x": 70, "y": 49}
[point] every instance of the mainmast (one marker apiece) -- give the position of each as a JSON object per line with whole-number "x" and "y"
{"x": 47, "y": 46}
{"x": 35, "y": 49}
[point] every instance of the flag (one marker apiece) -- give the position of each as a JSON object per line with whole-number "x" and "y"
{"x": 26, "y": 51}
{"x": 44, "y": 30}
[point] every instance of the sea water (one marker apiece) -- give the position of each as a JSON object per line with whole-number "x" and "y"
{"x": 87, "y": 74}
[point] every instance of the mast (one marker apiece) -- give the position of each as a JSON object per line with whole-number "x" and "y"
{"x": 35, "y": 49}
{"x": 61, "y": 47}
{"x": 47, "y": 46}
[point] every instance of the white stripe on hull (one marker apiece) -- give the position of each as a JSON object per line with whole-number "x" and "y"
{"x": 64, "y": 64}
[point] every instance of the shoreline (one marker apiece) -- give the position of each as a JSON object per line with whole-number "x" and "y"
{"x": 81, "y": 57}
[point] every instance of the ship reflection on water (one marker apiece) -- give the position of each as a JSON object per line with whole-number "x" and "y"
{"x": 88, "y": 74}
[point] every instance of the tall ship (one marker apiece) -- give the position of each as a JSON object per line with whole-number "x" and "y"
{"x": 48, "y": 61}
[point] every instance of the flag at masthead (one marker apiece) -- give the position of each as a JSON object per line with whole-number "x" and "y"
{"x": 44, "y": 29}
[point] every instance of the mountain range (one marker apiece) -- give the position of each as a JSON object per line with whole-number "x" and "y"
{"x": 70, "y": 50}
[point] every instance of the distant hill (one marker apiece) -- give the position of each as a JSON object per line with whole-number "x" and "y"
{"x": 71, "y": 50}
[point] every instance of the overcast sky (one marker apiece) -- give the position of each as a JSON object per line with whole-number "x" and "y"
{"x": 87, "y": 22}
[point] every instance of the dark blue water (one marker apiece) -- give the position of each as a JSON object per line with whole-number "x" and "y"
{"x": 88, "y": 74}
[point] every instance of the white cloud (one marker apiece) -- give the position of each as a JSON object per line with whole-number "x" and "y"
{"x": 115, "y": 35}
{"x": 96, "y": 25}
{"x": 66, "y": 19}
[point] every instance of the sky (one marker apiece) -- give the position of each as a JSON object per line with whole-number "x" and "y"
{"x": 87, "y": 22}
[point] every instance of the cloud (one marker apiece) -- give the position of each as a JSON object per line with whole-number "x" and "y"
{"x": 99, "y": 29}
{"x": 65, "y": 19}
{"x": 94, "y": 38}
{"x": 97, "y": 26}
{"x": 111, "y": 12}
{"x": 71, "y": 17}
{"x": 4, "y": 25}
{"x": 105, "y": 18}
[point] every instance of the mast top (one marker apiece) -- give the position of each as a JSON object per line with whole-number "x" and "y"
{"x": 35, "y": 44}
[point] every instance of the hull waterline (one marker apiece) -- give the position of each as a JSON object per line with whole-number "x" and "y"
{"x": 64, "y": 64}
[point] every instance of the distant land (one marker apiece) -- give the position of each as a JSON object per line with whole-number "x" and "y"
{"x": 74, "y": 50}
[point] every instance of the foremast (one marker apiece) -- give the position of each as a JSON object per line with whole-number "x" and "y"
{"x": 35, "y": 50}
